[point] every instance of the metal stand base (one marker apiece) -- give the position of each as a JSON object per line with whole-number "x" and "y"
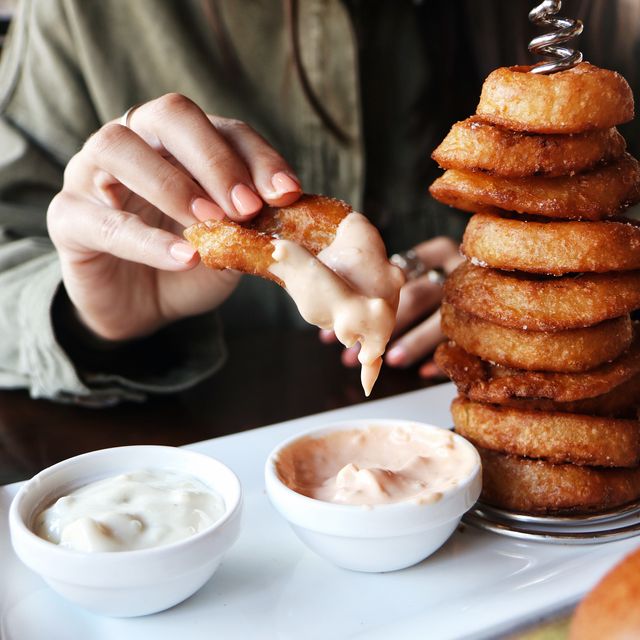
{"x": 616, "y": 524}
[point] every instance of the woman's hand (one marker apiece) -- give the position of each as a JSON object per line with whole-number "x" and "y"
{"x": 117, "y": 223}
{"x": 417, "y": 331}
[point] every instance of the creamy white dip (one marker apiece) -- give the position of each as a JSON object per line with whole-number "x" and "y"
{"x": 136, "y": 510}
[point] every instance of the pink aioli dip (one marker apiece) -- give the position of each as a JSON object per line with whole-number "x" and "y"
{"x": 375, "y": 465}
{"x": 350, "y": 288}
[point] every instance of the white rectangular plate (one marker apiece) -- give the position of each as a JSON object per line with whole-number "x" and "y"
{"x": 270, "y": 586}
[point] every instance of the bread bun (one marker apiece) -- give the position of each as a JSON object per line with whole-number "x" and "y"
{"x": 611, "y": 610}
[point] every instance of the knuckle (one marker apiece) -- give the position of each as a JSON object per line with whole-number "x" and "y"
{"x": 111, "y": 228}
{"x": 148, "y": 242}
{"x": 56, "y": 218}
{"x": 233, "y": 124}
{"x": 447, "y": 244}
{"x": 73, "y": 168}
{"x": 410, "y": 298}
{"x": 106, "y": 139}
{"x": 171, "y": 103}
{"x": 221, "y": 163}
{"x": 174, "y": 183}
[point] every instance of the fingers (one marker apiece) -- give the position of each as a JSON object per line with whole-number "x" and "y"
{"x": 178, "y": 126}
{"x": 273, "y": 178}
{"x": 430, "y": 370}
{"x": 415, "y": 344}
{"x": 417, "y": 298}
{"x": 327, "y": 336}
{"x": 440, "y": 252}
{"x": 185, "y": 164}
{"x": 79, "y": 228}
{"x": 116, "y": 155}
{"x": 349, "y": 356}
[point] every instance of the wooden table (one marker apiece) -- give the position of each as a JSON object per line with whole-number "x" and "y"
{"x": 269, "y": 377}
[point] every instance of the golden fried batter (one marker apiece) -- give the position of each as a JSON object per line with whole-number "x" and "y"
{"x": 568, "y": 350}
{"x": 622, "y": 401}
{"x": 475, "y": 145}
{"x": 573, "y": 101}
{"x": 553, "y": 248}
{"x": 553, "y": 436}
{"x": 542, "y": 303}
{"x": 487, "y": 382}
{"x": 311, "y": 221}
{"x": 595, "y": 195}
{"x": 536, "y": 486}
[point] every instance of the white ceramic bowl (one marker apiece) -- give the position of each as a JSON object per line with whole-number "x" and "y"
{"x": 381, "y": 538}
{"x": 126, "y": 583}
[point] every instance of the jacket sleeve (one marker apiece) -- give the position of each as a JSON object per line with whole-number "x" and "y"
{"x": 46, "y": 113}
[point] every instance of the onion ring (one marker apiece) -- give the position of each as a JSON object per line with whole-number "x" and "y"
{"x": 566, "y": 351}
{"x": 475, "y": 145}
{"x": 350, "y": 288}
{"x": 311, "y": 221}
{"x": 552, "y": 436}
{"x": 541, "y": 303}
{"x": 579, "y": 99}
{"x": 538, "y": 487}
{"x": 553, "y": 248}
{"x": 486, "y": 382}
{"x": 598, "y": 194}
{"x": 622, "y": 401}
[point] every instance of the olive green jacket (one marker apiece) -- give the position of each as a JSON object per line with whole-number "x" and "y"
{"x": 394, "y": 75}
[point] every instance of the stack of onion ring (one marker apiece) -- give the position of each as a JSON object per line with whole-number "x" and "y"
{"x": 573, "y": 101}
{"x": 542, "y": 347}
{"x": 536, "y": 486}
{"x": 595, "y": 195}
{"x": 476, "y": 145}
{"x": 488, "y": 382}
{"x": 553, "y": 436}
{"x": 568, "y": 350}
{"x": 544, "y": 303}
{"x": 555, "y": 247}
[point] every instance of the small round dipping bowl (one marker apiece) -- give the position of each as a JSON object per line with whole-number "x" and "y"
{"x": 377, "y": 538}
{"x": 126, "y": 583}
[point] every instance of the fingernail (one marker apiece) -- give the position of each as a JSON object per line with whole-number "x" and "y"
{"x": 244, "y": 200}
{"x": 327, "y": 336}
{"x": 182, "y": 252}
{"x": 396, "y": 355}
{"x": 204, "y": 209}
{"x": 350, "y": 356}
{"x": 284, "y": 183}
{"x": 429, "y": 370}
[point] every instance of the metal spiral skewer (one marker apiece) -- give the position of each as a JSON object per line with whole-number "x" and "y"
{"x": 559, "y": 58}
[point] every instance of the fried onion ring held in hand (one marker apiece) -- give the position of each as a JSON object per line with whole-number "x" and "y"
{"x": 536, "y": 486}
{"x": 486, "y": 382}
{"x": 350, "y": 288}
{"x": 598, "y": 194}
{"x": 553, "y": 248}
{"x": 312, "y": 222}
{"x": 569, "y": 350}
{"x": 552, "y": 436}
{"x": 579, "y": 99}
{"x": 542, "y": 303}
{"x": 474, "y": 145}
